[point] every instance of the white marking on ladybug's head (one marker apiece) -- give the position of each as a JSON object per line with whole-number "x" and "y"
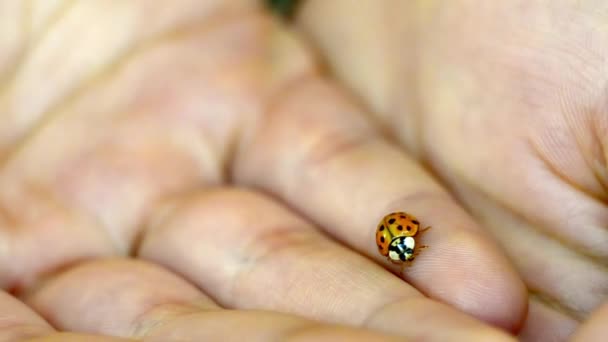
{"x": 409, "y": 242}
{"x": 393, "y": 255}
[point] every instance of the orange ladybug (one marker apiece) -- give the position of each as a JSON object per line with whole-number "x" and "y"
{"x": 395, "y": 237}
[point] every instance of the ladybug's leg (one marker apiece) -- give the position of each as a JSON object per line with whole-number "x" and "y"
{"x": 421, "y": 231}
{"x": 418, "y": 248}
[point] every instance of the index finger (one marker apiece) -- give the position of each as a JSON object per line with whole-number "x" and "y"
{"x": 316, "y": 151}
{"x": 20, "y": 323}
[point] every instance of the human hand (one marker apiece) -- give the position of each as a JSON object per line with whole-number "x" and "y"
{"x": 506, "y": 102}
{"x": 199, "y": 138}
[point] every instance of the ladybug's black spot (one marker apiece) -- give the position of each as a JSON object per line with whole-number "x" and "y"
{"x": 403, "y": 217}
{"x": 415, "y": 222}
{"x": 379, "y": 247}
{"x": 382, "y": 238}
{"x": 391, "y": 221}
{"x": 381, "y": 228}
{"x": 409, "y": 228}
{"x": 400, "y": 227}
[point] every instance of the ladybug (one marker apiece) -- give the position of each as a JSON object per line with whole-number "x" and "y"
{"x": 395, "y": 237}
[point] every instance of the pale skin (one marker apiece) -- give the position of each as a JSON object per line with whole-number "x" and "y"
{"x": 506, "y": 102}
{"x": 164, "y": 166}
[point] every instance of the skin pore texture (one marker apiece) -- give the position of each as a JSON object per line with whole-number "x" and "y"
{"x": 186, "y": 170}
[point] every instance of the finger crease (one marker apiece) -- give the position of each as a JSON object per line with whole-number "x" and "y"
{"x": 368, "y": 320}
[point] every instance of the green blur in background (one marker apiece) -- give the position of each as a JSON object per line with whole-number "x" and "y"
{"x": 283, "y": 8}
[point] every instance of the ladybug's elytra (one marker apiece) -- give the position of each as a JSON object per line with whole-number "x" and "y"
{"x": 395, "y": 237}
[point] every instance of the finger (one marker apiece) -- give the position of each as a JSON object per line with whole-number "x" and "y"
{"x": 134, "y": 288}
{"x": 565, "y": 278}
{"x": 40, "y": 234}
{"x": 249, "y": 252}
{"x": 150, "y": 303}
{"x": 72, "y": 337}
{"x": 544, "y": 323}
{"x": 366, "y": 51}
{"x": 315, "y": 151}
{"x": 595, "y": 328}
{"x": 18, "y": 322}
{"x": 12, "y": 37}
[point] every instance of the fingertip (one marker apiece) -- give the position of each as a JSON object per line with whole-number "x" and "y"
{"x": 506, "y": 303}
{"x": 481, "y": 281}
{"x": 546, "y": 323}
{"x": 476, "y": 278}
{"x": 503, "y": 304}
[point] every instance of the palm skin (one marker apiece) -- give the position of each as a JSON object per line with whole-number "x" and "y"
{"x": 506, "y": 103}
